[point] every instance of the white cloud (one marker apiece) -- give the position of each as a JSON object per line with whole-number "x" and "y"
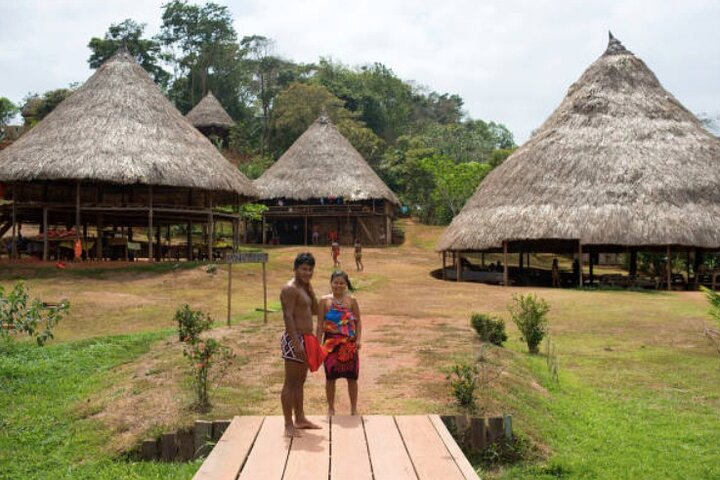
{"x": 511, "y": 61}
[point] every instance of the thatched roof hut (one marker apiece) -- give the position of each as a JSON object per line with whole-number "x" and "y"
{"x": 209, "y": 113}
{"x": 322, "y": 163}
{"x": 119, "y": 128}
{"x": 324, "y": 179}
{"x": 117, "y": 152}
{"x": 619, "y": 163}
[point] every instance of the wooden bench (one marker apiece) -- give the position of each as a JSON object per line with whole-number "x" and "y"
{"x": 378, "y": 447}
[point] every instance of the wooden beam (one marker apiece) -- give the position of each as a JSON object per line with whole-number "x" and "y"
{"x": 211, "y": 229}
{"x": 98, "y": 244}
{"x": 458, "y": 266}
{"x": 77, "y": 211}
{"x": 13, "y": 249}
{"x": 150, "y": 226}
{"x": 46, "y": 246}
{"x": 506, "y": 273}
{"x": 669, "y": 268}
{"x": 189, "y": 248}
{"x": 580, "y": 264}
{"x": 366, "y": 230}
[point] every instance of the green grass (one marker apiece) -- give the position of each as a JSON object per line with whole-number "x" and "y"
{"x": 42, "y": 434}
{"x": 19, "y": 272}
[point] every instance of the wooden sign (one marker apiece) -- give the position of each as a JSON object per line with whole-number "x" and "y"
{"x": 246, "y": 257}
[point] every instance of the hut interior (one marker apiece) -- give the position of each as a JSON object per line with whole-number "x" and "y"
{"x": 120, "y": 222}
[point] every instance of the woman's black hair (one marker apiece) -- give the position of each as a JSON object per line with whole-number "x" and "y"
{"x": 305, "y": 257}
{"x": 341, "y": 273}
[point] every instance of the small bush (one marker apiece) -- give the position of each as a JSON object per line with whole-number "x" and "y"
{"x": 463, "y": 381}
{"x": 529, "y": 313}
{"x": 191, "y": 323}
{"x": 202, "y": 355}
{"x": 21, "y": 315}
{"x": 489, "y": 329}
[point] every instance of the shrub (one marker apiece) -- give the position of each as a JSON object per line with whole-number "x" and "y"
{"x": 529, "y": 313}
{"x": 463, "y": 381}
{"x": 202, "y": 355}
{"x": 191, "y": 323}
{"x": 489, "y": 329}
{"x": 18, "y": 314}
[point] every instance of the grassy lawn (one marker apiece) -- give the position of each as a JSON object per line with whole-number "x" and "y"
{"x": 638, "y": 394}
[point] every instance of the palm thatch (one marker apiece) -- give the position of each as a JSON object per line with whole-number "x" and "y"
{"x": 322, "y": 163}
{"x": 119, "y": 128}
{"x": 209, "y": 113}
{"x": 620, "y": 162}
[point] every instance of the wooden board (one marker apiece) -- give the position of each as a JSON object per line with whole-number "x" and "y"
{"x": 388, "y": 456}
{"x": 349, "y": 459}
{"x": 269, "y": 454}
{"x": 460, "y": 460}
{"x": 228, "y": 456}
{"x": 430, "y": 456}
{"x": 309, "y": 456}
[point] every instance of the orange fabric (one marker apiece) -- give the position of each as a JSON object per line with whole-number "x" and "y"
{"x": 78, "y": 249}
{"x": 314, "y": 353}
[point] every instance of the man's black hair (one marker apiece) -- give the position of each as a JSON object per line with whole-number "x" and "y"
{"x": 304, "y": 257}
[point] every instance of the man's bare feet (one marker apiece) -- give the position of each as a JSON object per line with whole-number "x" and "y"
{"x": 305, "y": 424}
{"x": 292, "y": 431}
{"x": 354, "y": 413}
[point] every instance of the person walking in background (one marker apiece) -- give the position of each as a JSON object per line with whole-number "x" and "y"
{"x": 555, "y": 274}
{"x": 335, "y": 253}
{"x": 358, "y": 256}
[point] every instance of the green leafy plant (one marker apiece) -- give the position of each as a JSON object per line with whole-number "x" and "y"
{"x": 529, "y": 313}
{"x": 202, "y": 353}
{"x": 211, "y": 269}
{"x": 713, "y": 334}
{"x": 463, "y": 382}
{"x": 21, "y": 315}
{"x": 488, "y": 328}
{"x": 191, "y": 323}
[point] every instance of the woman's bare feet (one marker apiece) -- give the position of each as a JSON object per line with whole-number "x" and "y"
{"x": 354, "y": 413}
{"x": 305, "y": 424}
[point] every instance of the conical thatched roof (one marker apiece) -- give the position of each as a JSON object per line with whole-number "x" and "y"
{"x": 209, "y": 113}
{"x": 322, "y": 163}
{"x": 620, "y": 162}
{"x": 119, "y": 128}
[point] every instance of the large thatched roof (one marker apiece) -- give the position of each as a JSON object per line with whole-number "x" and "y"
{"x": 119, "y": 128}
{"x": 209, "y": 113}
{"x": 322, "y": 163}
{"x": 620, "y": 162}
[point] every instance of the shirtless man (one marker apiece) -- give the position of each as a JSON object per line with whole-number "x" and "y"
{"x": 298, "y": 302}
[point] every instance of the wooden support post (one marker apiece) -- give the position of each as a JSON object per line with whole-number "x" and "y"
{"x": 305, "y": 231}
{"x": 245, "y": 230}
{"x": 77, "y": 211}
{"x": 592, "y": 277}
{"x": 264, "y": 293}
{"x": 633, "y": 262}
{"x": 98, "y": 242}
{"x": 669, "y": 268}
{"x": 46, "y": 245}
{"x": 458, "y": 266}
{"x": 506, "y": 273}
{"x": 211, "y": 235}
{"x": 444, "y": 264}
{"x": 13, "y": 248}
{"x": 229, "y": 292}
{"x": 264, "y": 236}
{"x": 580, "y": 265}
{"x": 150, "y": 226}
{"x": 158, "y": 244}
{"x": 189, "y": 248}
{"x": 482, "y": 259}
{"x": 388, "y": 230}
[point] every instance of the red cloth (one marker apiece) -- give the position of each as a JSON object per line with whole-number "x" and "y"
{"x": 314, "y": 353}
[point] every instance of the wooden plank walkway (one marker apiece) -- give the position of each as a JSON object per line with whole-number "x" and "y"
{"x": 371, "y": 447}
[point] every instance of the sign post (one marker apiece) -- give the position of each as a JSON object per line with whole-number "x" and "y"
{"x": 246, "y": 257}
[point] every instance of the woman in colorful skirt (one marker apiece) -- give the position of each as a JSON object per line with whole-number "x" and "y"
{"x": 340, "y": 327}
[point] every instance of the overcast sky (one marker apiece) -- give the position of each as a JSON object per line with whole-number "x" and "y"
{"x": 510, "y": 60}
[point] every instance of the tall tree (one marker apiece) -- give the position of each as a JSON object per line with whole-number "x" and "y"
{"x": 268, "y": 74}
{"x": 299, "y": 105}
{"x": 37, "y": 107}
{"x": 201, "y": 44}
{"x": 146, "y": 51}
{"x": 7, "y": 111}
